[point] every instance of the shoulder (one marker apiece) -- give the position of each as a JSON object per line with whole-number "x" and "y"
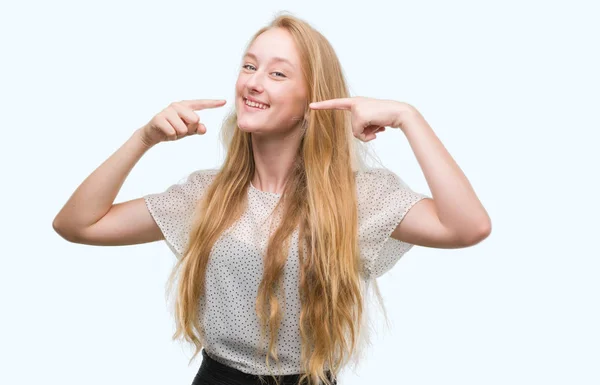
{"x": 202, "y": 177}
{"x": 187, "y": 190}
{"x": 373, "y": 177}
{"x": 382, "y": 193}
{"x": 174, "y": 207}
{"x": 383, "y": 201}
{"x": 378, "y": 182}
{"x": 196, "y": 182}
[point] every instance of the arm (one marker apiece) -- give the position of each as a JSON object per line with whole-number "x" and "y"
{"x": 90, "y": 216}
{"x": 454, "y": 217}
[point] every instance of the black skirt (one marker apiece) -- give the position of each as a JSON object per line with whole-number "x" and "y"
{"x": 212, "y": 372}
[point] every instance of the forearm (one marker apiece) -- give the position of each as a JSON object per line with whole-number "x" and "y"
{"x": 457, "y": 205}
{"x": 96, "y": 194}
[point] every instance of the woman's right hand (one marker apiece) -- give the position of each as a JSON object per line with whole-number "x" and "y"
{"x": 176, "y": 121}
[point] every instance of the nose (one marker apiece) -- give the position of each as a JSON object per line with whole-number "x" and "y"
{"x": 255, "y": 83}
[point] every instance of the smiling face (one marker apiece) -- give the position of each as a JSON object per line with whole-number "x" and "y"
{"x": 270, "y": 89}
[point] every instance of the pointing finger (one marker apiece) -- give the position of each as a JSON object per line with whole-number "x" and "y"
{"x": 200, "y": 104}
{"x": 332, "y": 104}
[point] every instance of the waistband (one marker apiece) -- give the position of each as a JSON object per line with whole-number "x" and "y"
{"x": 221, "y": 372}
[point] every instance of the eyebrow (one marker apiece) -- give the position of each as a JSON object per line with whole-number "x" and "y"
{"x": 274, "y": 59}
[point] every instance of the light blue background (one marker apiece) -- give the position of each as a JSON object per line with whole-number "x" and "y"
{"x": 511, "y": 89}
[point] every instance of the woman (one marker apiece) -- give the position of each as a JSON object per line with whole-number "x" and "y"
{"x": 293, "y": 176}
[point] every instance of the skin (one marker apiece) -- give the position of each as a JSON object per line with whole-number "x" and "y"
{"x": 276, "y": 131}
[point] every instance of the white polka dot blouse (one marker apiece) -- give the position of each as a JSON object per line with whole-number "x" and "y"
{"x": 234, "y": 271}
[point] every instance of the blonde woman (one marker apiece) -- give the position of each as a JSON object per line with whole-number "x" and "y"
{"x": 276, "y": 248}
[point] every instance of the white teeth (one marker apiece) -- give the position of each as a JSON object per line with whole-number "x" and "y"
{"x": 253, "y": 104}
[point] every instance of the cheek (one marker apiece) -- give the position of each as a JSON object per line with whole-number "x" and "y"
{"x": 299, "y": 104}
{"x": 289, "y": 111}
{"x": 240, "y": 83}
{"x": 238, "y": 86}
{"x": 239, "y": 92}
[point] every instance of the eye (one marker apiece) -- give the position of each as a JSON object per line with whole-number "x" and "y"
{"x": 282, "y": 75}
{"x": 247, "y": 65}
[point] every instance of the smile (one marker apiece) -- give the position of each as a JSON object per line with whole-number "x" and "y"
{"x": 255, "y": 105}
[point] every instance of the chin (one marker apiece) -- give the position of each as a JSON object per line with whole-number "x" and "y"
{"x": 244, "y": 126}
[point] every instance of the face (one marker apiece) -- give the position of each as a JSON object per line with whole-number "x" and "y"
{"x": 270, "y": 89}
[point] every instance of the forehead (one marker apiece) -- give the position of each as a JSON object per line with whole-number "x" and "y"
{"x": 275, "y": 44}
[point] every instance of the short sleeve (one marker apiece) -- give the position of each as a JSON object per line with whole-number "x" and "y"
{"x": 383, "y": 201}
{"x": 174, "y": 208}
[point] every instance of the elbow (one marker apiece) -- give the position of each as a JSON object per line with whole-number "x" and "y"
{"x": 479, "y": 234}
{"x": 63, "y": 231}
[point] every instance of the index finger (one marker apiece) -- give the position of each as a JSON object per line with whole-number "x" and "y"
{"x": 335, "y": 104}
{"x": 200, "y": 104}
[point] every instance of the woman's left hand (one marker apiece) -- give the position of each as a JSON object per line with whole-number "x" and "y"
{"x": 369, "y": 116}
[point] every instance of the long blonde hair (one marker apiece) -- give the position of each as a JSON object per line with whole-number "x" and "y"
{"x": 331, "y": 283}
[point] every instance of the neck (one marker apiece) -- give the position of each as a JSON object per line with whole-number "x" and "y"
{"x": 273, "y": 160}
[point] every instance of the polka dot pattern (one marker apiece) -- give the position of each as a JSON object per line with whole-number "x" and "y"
{"x": 383, "y": 201}
{"x": 235, "y": 267}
